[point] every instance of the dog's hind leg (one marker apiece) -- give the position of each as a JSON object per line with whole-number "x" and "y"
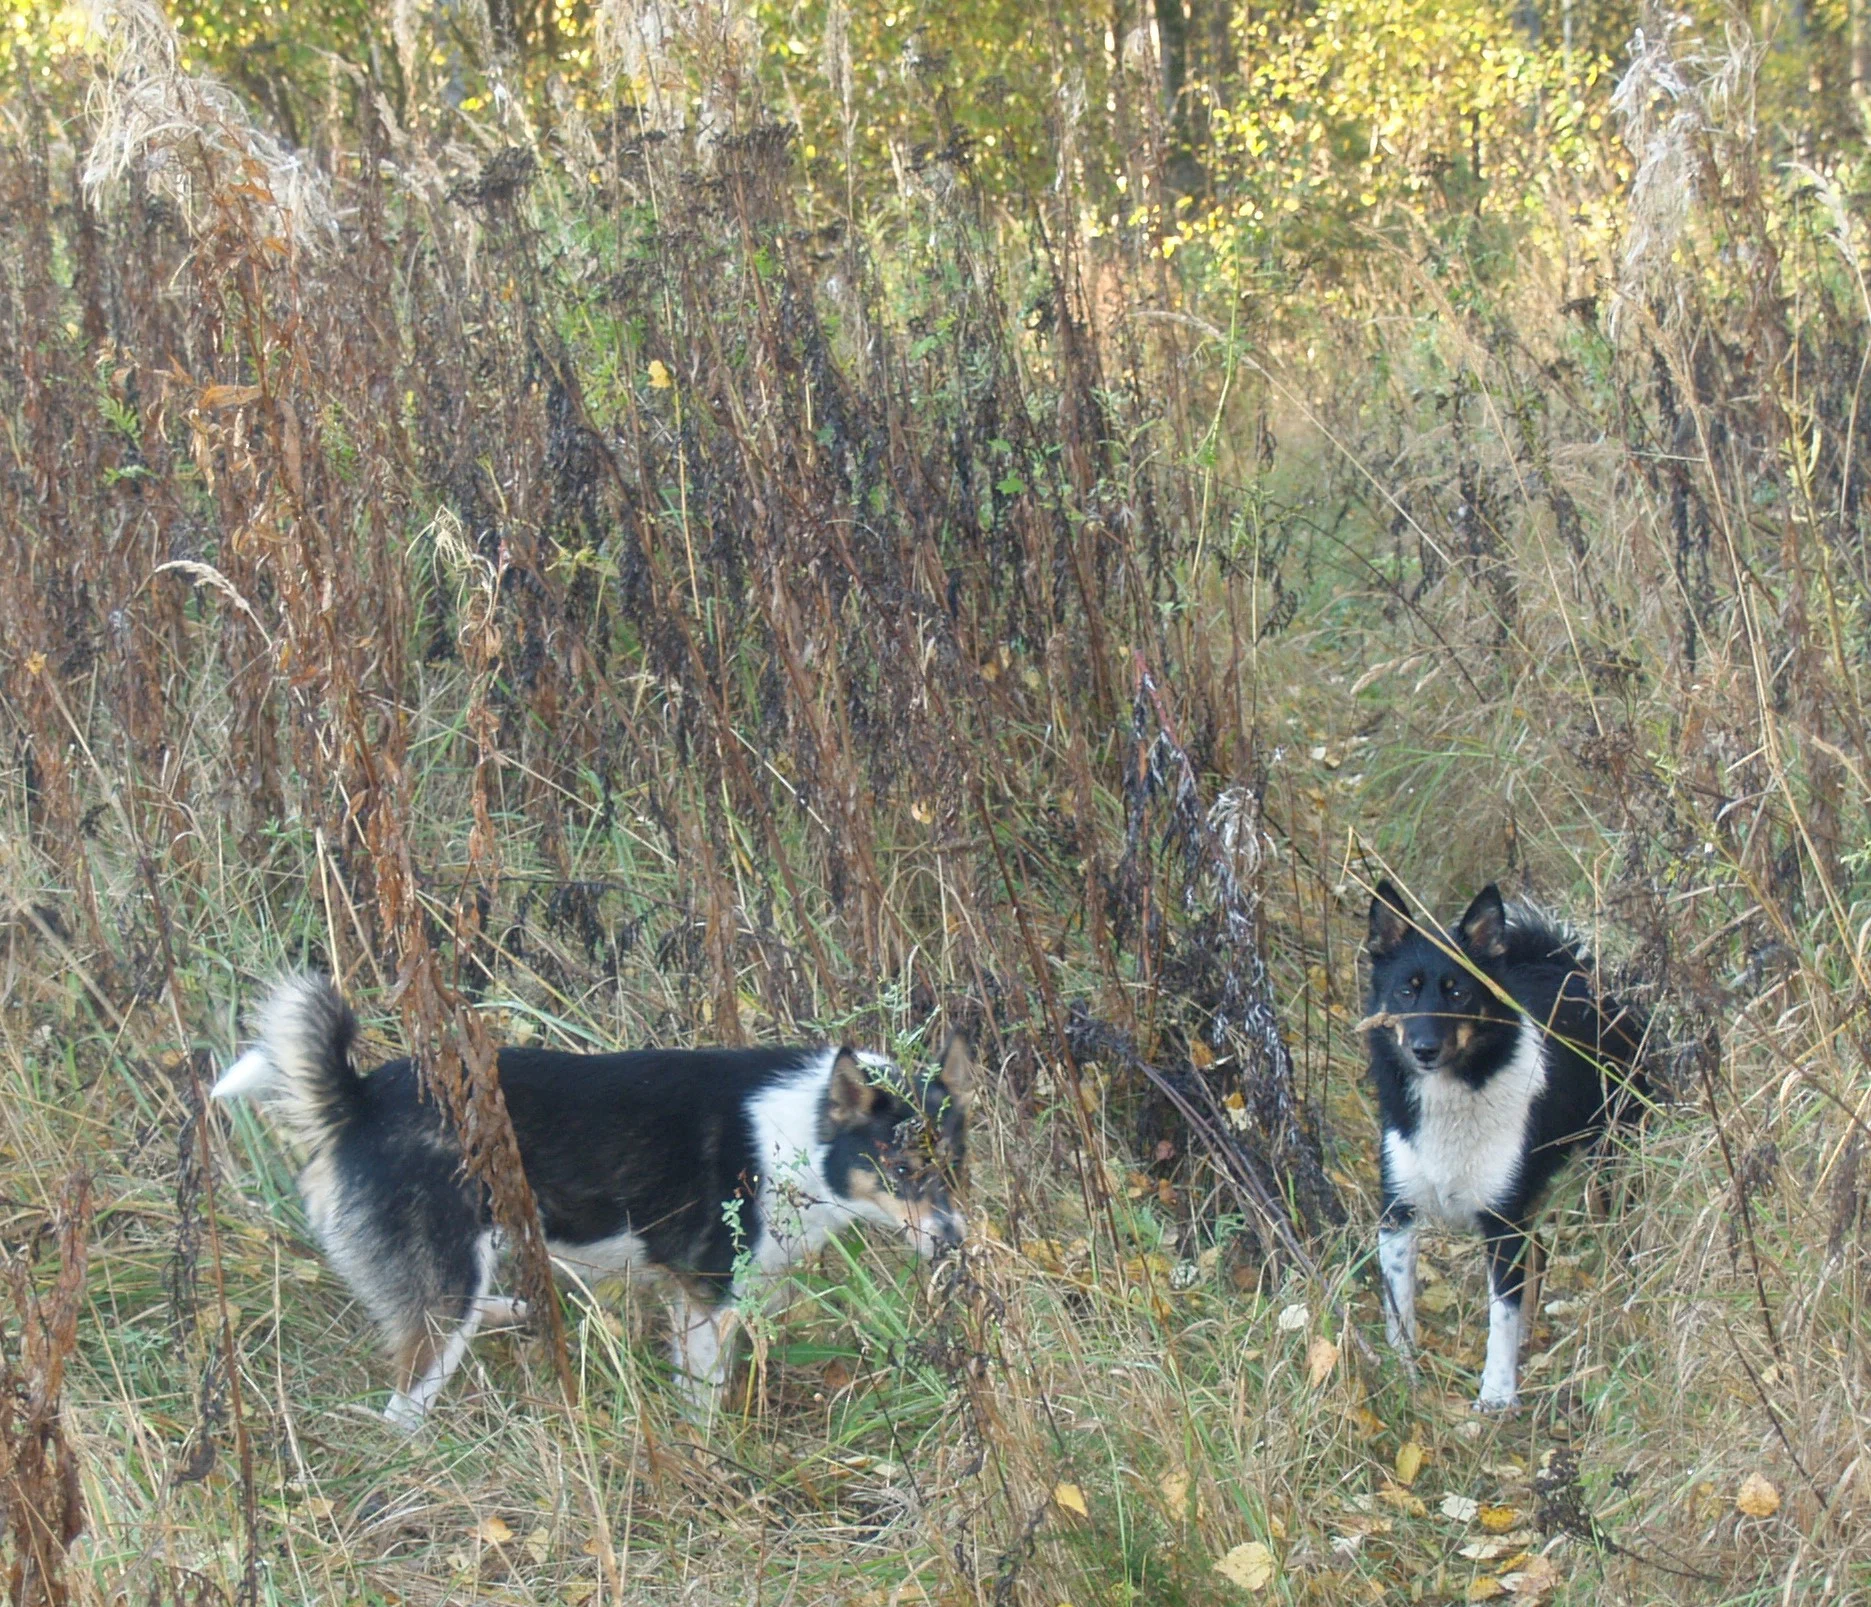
{"x": 428, "y": 1355}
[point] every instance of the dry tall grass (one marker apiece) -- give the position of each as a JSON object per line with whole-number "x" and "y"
{"x": 611, "y": 601}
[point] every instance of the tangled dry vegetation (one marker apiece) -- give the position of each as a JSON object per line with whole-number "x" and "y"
{"x": 579, "y": 591}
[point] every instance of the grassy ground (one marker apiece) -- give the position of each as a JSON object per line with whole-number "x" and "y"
{"x": 908, "y": 1437}
{"x": 605, "y": 602}
{"x": 900, "y": 1428}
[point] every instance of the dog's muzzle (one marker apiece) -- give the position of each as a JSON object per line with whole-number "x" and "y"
{"x": 939, "y": 1234}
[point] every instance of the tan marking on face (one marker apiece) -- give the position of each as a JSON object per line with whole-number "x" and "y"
{"x": 913, "y": 1216}
{"x": 1464, "y": 1036}
{"x": 868, "y": 1186}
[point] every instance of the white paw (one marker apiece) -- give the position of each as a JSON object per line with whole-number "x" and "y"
{"x": 500, "y": 1312}
{"x": 1497, "y": 1405}
{"x": 403, "y": 1413}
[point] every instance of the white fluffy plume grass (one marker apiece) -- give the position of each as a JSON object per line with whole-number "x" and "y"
{"x": 191, "y": 137}
{"x": 1682, "y": 112}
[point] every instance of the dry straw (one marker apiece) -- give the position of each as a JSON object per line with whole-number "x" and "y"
{"x": 189, "y": 137}
{"x": 1677, "y": 107}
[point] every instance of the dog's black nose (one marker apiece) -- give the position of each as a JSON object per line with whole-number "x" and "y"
{"x": 1427, "y": 1054}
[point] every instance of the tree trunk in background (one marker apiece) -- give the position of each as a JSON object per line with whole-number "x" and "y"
{"x": 1172, "y": 31}
{"x": 1861, "y": 58}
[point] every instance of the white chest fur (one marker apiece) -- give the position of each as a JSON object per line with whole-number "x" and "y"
{"x": 1467, "y": 1149}
{"x": 798, "y": 1211}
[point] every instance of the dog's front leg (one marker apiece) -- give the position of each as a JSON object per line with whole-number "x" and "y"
{"x": 1396, "y": 1262}
{"x": 1509, "y": 1249}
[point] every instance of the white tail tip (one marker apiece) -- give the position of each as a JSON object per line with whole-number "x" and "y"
{"x": 251, "y": 1074}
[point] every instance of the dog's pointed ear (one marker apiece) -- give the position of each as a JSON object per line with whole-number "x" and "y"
{"x": 1390, "y": 920}
{"x": 1483, "y": 929}
{"x": 850, "y": 1095}
{"x": 958, "y": 1073}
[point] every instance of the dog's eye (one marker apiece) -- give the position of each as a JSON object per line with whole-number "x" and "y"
{"x": 1413, "y": 984}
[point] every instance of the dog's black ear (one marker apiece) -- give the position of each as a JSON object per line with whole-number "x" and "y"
{"x": 958, "y": 1073}
{"x": 850, "y": 1096}
{"x": 1390, "y": 921}
{"x": 1483, "y": 930}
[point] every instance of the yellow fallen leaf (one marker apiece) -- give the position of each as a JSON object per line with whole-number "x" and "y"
{"x": 1046, "y": 1254}
{"x": 1409, "y": 1462}
{"x": 1368, "y": 1423}
{"x": 1498, "y": 1520}
{"x": 1757, "y": 1498}
{"x": 1485, "y": 1589}
{"x": 318, "y": 1507}
{"x": 493, "y": 1531}
{"x": 1175, "y": 1488}
{"x": 1539, "y": 1577}
{"x": 35, "y": 663}
{"x": 1436, "y": 1299}
{"x": 1250, "y": 1566}
{"x": 1321, "y": 1358}
{"x": 538, "y": 1545}
{"x": 1070, "y": 1498}
{"x": 660, "y": 378}
{"x": 580, "y": 1590}
{"x": 1394, "y": 1495}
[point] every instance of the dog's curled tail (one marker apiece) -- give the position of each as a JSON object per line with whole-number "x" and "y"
{"x": 301, "y": 1066}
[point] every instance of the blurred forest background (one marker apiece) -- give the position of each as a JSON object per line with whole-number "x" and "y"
{"x": 715, "y": 520}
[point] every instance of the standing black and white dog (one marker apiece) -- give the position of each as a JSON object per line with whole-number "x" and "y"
{"x": 719, "y": 1167}
{"x": 1495, "y": 1057}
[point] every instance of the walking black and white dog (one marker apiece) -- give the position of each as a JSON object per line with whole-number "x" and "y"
{"x": 719, "y": 1167}
{"x": 1495, "y": 1057}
